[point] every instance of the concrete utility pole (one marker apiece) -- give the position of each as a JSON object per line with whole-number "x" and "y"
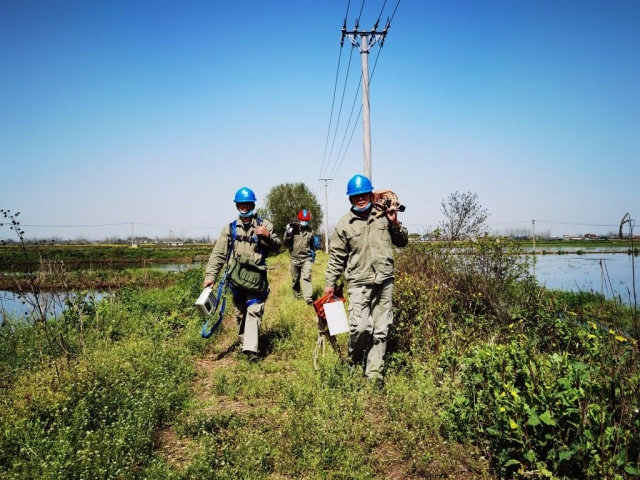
{"x": 533, "y": 235}
{"x": 326, "y": 215}
{"x": 364, "y": 41}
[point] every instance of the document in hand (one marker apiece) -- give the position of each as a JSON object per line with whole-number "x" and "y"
{"x": 336, "y": 317}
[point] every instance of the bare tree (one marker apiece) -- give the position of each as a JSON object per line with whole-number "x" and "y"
{"x": 465, "y": 217}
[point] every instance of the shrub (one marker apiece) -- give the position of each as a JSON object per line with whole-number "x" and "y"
{"x": 546, "y": 383}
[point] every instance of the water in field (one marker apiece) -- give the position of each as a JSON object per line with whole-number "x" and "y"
{"x": 49, "y": 304}
{"x": 610, "y": 274}
{"x": 52, "y": 303}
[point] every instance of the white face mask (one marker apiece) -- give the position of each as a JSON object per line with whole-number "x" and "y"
{"x": 246, "y": 214}
{"x": 304, "y": 224}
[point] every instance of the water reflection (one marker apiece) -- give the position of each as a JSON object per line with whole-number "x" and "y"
{"x": 53, "y": 304}
{"x": 610, "y": 274}
{"x": 49, "y": 304}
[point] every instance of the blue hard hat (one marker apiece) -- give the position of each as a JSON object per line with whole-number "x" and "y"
{"x": 244, "y": 195}
{"x": 359, "y": 184}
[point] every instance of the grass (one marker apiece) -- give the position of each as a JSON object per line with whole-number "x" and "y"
{"x": 127, "y": 388}
{"x": 144, "y": 396}
{"x": 282, "y": 419}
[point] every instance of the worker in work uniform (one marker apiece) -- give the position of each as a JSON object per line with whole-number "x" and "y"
{"x": 362, "y": 247}
{"x": 253, "y": 238}
{"x": 298, "y": 238}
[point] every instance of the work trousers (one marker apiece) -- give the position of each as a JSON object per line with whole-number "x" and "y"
{"x": 370, "y": 316}
{"x": 249, "y": 310}
{"x": 301, "y": 278}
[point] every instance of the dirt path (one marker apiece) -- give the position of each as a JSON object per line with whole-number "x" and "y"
{"x": 222, "y": 358}
{"x": 221, "y": 354}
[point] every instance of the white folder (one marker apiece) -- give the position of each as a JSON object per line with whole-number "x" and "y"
{"x": 336, "y": 317}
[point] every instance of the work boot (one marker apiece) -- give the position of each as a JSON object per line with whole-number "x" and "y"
{"x": 253, "y": 357}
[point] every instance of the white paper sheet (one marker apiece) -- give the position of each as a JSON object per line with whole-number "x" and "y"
{"x": 336, "y": 317}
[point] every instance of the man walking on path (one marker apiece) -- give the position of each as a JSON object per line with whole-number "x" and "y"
{"x": 298, "y": 239}
{"x": 244, "y": 244}
{"x": 362, "y": 247}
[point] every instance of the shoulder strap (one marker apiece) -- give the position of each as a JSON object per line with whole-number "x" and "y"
{"x": 260, "y": 250}
{"x": 232, "y": 238}
{"x": 244, "y": 238}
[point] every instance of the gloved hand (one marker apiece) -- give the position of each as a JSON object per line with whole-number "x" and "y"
{"x": 289, "y": 229}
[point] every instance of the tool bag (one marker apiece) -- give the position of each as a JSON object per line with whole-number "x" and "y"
{"x": 247, "y": 275}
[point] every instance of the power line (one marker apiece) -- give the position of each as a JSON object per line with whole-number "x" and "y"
{"x": 335, "y": 85}
{"x": 109, "y": 225}
{"x": 333, "y": 100}
{"x": 344, "y": 89}
{"x": 74, "y": 226}
{"x": 355, "y": 124}
{"x": 363, "y": 41}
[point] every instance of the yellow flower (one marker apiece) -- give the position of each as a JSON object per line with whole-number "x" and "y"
{"x": 593, "y": 325}
{"x": 514, "y": 394}
{"x": 502, "y": 409}
{"x": 573, "y": 314}
{"x": 513, "y": 424}
{"x": 620, "y": 338}
{"x": 612, "y": 332}
{"x": 591, "y": 335}
{"x": 503, "y": 394}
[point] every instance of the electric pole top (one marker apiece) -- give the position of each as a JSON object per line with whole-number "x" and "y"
{"x": 364, "y": 43}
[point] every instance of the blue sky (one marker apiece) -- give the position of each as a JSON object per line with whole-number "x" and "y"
{"x": 115, "y": 112}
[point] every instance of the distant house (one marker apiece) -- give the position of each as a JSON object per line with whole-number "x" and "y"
{"x": 572, "y": 237}
{"x": 590, "y": 236}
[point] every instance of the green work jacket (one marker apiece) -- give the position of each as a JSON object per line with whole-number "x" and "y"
{"x": 242, "y": 246}
{"x": 363, "y": 248}
{"x": 299, "y": 243}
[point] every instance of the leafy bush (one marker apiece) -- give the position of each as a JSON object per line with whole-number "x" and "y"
{"x": 447, "y": 293}
{"x": 546, "y": 383}
{"x": 573, "y": 416}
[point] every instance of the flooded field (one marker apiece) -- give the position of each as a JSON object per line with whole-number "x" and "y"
{"x": 610, "y": 274}
{"x": 597, "y": 270}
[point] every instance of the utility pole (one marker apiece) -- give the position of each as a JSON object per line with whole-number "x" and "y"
{"x": 326, "y": 215}
{"x": 533, "y": 235}
{"x": 364, "y": 41}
